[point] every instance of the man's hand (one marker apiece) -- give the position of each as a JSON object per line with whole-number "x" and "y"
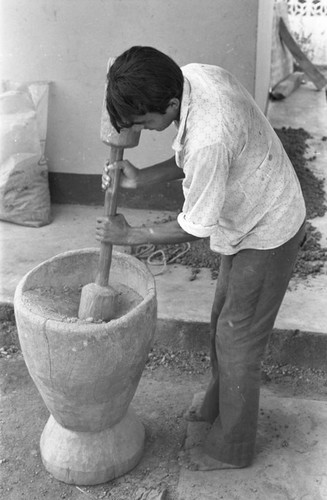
{"x": 114, "y": 230}
{"x": 128, "y": 177}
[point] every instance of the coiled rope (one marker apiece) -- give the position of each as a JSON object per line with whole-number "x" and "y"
{"x": 158, "y": 257}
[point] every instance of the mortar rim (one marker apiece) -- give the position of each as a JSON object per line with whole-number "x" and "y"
{"x": 82, "y": 326}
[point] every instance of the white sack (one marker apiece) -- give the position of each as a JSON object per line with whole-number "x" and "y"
{"x": 24, "y": 189}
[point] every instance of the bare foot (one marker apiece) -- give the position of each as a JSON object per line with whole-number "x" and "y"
{"x": 197, "y": 459}
{"x": 193, "y": 414}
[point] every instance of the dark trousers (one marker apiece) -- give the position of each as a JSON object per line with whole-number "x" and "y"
{"x": 250, "y": 289}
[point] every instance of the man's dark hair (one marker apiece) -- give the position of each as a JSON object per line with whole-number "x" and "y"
{"x": 141, "y": 80}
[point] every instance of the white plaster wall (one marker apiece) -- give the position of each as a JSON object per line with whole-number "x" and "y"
{"x": 310, "y": 33}
{"x": 68, "y": 43}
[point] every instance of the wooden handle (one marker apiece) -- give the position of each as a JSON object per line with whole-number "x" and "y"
{"x": 110, "y": 207}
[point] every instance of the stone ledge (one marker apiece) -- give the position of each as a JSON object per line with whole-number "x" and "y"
{"x": 294, "y": 347}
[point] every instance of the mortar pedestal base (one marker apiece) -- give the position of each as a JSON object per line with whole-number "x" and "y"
{"x": 88, "y": 458}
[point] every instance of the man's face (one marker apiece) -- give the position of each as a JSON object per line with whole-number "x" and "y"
{"x": 150, "y": 121}
{"x": 156, "y": 121}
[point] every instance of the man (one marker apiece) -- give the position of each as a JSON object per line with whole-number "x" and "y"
{"x": 240, "y": 190}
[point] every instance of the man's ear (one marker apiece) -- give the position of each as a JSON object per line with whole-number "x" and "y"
{"x": 174, "y": 103}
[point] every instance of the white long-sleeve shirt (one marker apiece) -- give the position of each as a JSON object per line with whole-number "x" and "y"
{"x": 240, "y": 187}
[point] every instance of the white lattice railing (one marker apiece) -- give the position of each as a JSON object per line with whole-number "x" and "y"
{"x": 307, "y": 7}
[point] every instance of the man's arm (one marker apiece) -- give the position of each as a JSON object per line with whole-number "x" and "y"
{"x": 159, "y": 234}
{"x": 117, "y": 231}
{"x": 132, "y": 177}
{"x": 160, "y": 172}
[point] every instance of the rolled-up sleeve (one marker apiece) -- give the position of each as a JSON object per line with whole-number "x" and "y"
{"x": 204, "y": 186}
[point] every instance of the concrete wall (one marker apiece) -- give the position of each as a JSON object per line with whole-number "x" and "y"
{"x": 68, "y": 43}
